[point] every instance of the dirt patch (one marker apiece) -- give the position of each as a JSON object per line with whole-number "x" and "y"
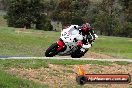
{"x": 93, "y": 55}
{"x": 54, "y": 76}
{"x": 97, "y": 55}
{"x": 57, "y": 76}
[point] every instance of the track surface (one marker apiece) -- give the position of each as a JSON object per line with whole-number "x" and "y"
{"x": 64, "y": 58}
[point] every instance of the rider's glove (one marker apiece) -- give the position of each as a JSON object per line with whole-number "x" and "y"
{"x": 95, "y": 36}
{"x": 75, "y": 27}
{"x": 79, "y": 27}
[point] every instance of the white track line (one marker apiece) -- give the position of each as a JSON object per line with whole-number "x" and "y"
{"x": 61, "y": 58}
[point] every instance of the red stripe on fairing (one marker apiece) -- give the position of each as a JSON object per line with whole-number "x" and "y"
{"x": 79, "y": 43}
{"x": 61, "y": 44}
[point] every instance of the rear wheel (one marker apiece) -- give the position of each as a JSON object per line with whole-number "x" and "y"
{"x": 52, "y": 50}
{"x": 77, "y": 54}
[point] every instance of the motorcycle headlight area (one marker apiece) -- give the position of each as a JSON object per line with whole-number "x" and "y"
{"x": 64, "y": 34}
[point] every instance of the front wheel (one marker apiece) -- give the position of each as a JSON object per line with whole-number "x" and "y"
{"x": 52, "y": 50}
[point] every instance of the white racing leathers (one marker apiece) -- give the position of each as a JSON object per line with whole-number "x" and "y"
{"x": 87, "y": 46}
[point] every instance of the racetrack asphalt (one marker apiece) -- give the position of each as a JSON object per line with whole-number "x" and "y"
{"x": 63, "y": 58}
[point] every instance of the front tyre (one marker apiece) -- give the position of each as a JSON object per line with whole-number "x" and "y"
{"x": 52, "y": 50}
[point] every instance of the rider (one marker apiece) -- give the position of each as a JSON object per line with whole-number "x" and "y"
{"x": 89, "y": 34}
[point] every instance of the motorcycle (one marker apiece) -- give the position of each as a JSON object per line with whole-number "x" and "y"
{"x": 68, "y": 44}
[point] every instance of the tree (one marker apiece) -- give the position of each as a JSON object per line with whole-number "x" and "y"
{"x": 5, "y": 4}
{"x": 101, "y": 22}
{"x": 108, "y": 18}
{"x": 127, "y": 10}
{"x": 16, "y": 15}
{"x": 24, "y": 13}
{"x": 69, "y": 10}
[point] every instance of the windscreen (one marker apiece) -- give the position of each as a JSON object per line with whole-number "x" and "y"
{"x": 73, "y": 31}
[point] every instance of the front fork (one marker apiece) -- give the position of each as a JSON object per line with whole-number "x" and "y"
{"x": 79, "y": 45}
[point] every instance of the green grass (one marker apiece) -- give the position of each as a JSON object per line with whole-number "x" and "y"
{"x": 2, "y": 21}
{"x": 44, "y": 63}
{"x": 122, "y": 63}
{"x": 37, "y": 63}
{"x": 34, "y": 43}
{"x": 23, "y": 64}
{"x": 10, "y": 81}
{"x": 115, "y": 46}
{"x": 80, "y": 62}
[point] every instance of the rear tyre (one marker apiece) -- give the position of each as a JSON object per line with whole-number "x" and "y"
{"x": 77, "y": 54}
{"x": 52, "y": 50}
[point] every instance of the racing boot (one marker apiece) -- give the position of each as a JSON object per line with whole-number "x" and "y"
{"x": 86, "y": 46}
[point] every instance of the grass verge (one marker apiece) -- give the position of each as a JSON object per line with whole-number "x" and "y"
{"x": 37, "y": 63}
{"x": 54, "y": 70}
{"x": 10, "y": 81}
{"x": 35, "y": 42}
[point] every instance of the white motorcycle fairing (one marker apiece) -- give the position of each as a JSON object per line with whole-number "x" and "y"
{"x": 68, "y": 36}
